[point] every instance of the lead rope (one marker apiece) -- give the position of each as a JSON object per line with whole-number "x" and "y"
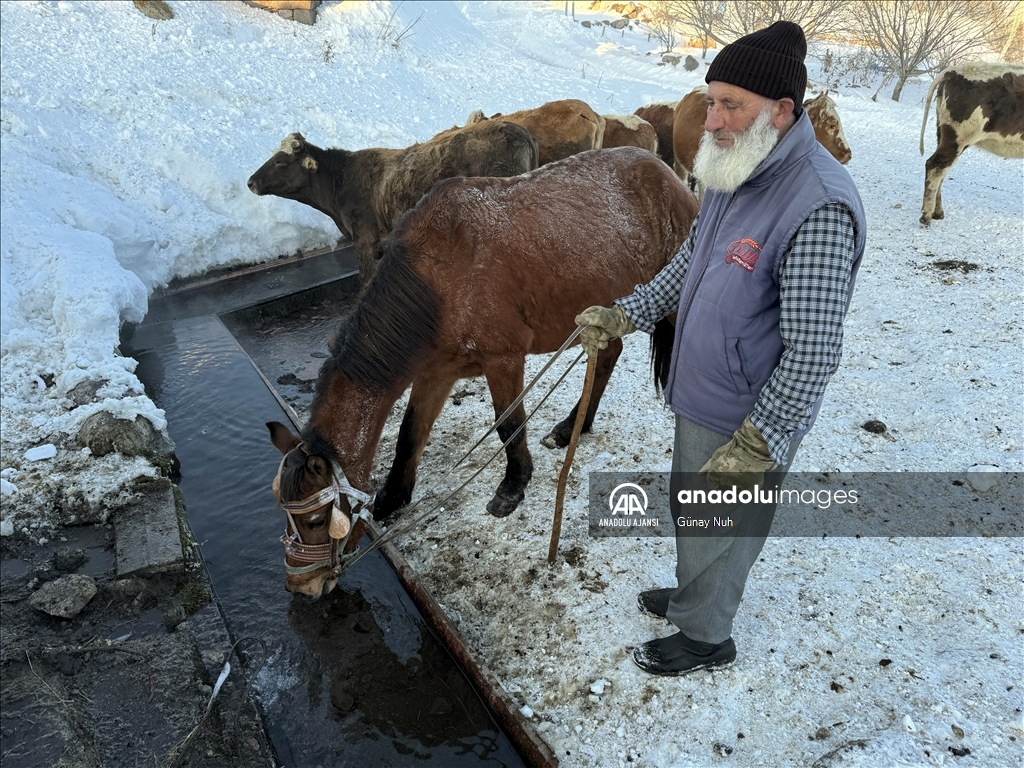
{"x": 408, "y": 522}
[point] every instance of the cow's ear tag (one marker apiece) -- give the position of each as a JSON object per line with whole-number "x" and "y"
{"x": 340, "y": 525}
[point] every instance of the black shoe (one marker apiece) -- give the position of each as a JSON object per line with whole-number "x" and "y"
{"x": 678, "y": 654}
{"x": 654, "y": 602}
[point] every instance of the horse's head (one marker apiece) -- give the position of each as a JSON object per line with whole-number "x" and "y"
{"x": 319, "y": 502}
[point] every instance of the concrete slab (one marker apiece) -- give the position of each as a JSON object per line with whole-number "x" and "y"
{"x": 146, "y": 532}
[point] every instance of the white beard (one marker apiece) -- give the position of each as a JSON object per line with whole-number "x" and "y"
{"x": 723, "y": 169}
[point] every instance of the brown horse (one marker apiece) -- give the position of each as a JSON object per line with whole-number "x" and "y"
{"x": 482, "y": 272}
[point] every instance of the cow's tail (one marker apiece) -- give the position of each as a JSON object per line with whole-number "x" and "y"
{"x": 661, "y": 352}
{"x": 928, "y": 106}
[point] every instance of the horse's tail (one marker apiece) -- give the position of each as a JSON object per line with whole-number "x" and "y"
{"x": 661, "y": 352}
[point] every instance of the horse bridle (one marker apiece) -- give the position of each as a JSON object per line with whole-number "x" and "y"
{"x": 332, "y": 554}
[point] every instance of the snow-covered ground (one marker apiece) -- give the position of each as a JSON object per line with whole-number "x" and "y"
{"x": 126, "y": 145}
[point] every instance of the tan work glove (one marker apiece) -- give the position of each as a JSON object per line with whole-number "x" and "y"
{"x": 741, "y": 462}
{"x": 601, "y": 324}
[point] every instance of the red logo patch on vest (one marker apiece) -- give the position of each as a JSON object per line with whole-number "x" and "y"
{"x": 743, "y": 252}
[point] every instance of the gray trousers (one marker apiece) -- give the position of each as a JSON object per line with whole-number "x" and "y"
{"x": 712, "y": 571}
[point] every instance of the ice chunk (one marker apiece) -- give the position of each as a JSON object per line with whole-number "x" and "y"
{"x": 982, "y": 477}
{"x": 41, "y": 452}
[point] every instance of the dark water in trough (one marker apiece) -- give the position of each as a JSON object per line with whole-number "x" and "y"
{"x": 355, "y": 678}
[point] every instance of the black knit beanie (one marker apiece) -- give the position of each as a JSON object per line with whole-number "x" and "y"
{"x": 769, "y": 62}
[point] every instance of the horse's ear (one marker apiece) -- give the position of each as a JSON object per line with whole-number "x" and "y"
{"x": 281, "y": 436}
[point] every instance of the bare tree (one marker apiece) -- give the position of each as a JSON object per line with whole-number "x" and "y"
{"x": 914, "y": 37}
{"x": 661, "y": 23}
{"x": 818, "y": 18}
{"x": 701, "y": 17}
{"x": 1013, "y": 33}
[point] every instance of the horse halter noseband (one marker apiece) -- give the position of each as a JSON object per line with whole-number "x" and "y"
{"x": 330, "y": 555}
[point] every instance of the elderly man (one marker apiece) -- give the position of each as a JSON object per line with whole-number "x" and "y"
{"x": 761, "y": 287}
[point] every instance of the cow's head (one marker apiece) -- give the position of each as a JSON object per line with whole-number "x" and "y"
{"x": 287, "y": 173}
{"x": 828, "y": 130}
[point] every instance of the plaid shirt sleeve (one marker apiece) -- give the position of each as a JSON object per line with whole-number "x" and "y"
{"x": 814, "y": 280}
{"x": 659, "y": 298}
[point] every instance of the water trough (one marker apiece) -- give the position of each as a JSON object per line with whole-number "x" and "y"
{"x": 375, "y": 673}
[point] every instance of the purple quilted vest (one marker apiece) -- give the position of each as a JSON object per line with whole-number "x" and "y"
{"x": 727, "y": 339}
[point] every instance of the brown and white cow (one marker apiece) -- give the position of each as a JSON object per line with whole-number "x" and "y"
{"x": 366, "y": 191}
{"x": 977, "y": 104}
{"x": 562, "y": 128}
{"x": 691, "y": 114}
{"x": 661, "y": 115}
{"x": 629, "y": 131}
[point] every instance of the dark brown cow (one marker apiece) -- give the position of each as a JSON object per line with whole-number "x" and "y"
{"x": 629, "y": 131}
{"x": 562, "y": 128}
{"x": 366, "y": 191}
{"x": 661, "y": 116}
{"x": 692, "y": 111}
{"x": 975, "y": 104}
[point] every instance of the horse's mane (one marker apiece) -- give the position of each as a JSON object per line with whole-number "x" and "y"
{"x": 393, "y": 324}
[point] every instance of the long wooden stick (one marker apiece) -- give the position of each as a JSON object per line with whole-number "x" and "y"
{"x": 563, "y": 477}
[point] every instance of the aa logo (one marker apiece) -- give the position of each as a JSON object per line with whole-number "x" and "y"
{"x": 628, "y": 499}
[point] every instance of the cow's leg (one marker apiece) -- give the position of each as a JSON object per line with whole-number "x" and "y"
{"x": 559, "y": 435}
{"x": 935, "y": 170}
{"x": 366, "y": 251}
{"x": 505, "y": 380}
{"x": 425, "y": 403}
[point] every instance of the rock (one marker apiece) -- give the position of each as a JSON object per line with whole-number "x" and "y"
{"x": 342, "y": 700}
{"x": 126, "y": 589}
{"x": 671, "y": 58}
{"x": 65, "y": 597}
{"x": 146, "y": 531}
{"x": 67, "y": 559}
{"x": 874, "y": 426}
{"x": 690, "y": 64}
{"x": 619, "y": 23}
{"x": 104, "y": 433}
{"x": 84, "y": 392}
{"x": 585, "y": 24}
{"x": 154, "y": 9}
{"x": 173, "y": 617}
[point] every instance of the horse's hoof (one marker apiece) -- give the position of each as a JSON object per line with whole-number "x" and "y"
{"x": 385, "y": 505}
{"x": 503, "y": 506}
{"x": 556, "y": 438}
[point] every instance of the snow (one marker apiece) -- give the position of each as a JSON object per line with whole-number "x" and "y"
{"x": 126, "y": 146}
